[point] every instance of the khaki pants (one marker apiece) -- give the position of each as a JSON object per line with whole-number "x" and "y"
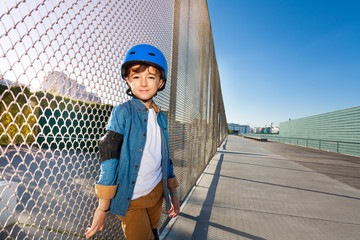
{"x": 143, "y": 215}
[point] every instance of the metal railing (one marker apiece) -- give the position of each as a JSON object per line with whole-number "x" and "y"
{"x": 344, "y": 147}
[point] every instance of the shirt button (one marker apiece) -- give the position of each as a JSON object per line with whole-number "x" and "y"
{"x": 132, "y": 182}
{"x": 140, "y": 150}
{"x": 136, "y": 166}
{"x": 144, "y": 120}
{"x": 165, "y": 128}
{"x": 144, "y": 134}
{"x": 128, "y": 199}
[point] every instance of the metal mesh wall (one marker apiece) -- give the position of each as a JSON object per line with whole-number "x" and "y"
{"x": 60, "y": 78}
{"x": 337, "y": 131}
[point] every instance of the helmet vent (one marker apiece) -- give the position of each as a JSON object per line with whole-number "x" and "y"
{"x": 132, "y": 53}
{"x": 152, "y": 54}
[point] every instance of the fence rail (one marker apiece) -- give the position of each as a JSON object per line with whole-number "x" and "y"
{"x": 344, "y": 147}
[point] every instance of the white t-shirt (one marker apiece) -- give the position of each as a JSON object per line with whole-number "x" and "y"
{"x": 150, "y": 167}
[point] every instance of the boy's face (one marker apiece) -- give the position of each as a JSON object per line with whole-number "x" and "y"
{"x": 145, "y": 84}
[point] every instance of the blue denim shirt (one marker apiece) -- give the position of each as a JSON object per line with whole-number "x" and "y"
{"x": 130, "y": 120}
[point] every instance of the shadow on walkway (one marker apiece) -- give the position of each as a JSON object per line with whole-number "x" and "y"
{"x": 248, "y": 193}
{"x": 203, "y": 220}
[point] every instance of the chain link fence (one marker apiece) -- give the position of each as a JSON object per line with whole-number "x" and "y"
{"x": 59, "y": 80}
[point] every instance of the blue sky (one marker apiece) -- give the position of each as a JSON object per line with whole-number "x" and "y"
{"x": 284, "y": 59}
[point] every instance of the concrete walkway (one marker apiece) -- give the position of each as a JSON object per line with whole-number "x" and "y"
{"x": 249, "y": 192}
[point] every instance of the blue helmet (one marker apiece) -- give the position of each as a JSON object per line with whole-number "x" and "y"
{"x": 145, "y": 54}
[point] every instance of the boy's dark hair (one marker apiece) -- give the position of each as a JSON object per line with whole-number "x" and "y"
{"x": 142, "y": 67}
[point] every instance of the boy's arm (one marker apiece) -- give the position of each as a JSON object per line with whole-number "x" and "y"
{"x": 98, "y": 222}
{"x": 174, "y": 196}
{"x": 106, "y": 187}
{"x": 172, "y": 182}
{"x": 110, "y": 148}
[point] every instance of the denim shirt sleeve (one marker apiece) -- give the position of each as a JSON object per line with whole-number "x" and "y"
{"x": 108, "y": 172}
{"x": 171, "y": 170}
{"x": 169, "y": 163}
{"x": 117, "y": 120}
{"x": 108, "y": 167}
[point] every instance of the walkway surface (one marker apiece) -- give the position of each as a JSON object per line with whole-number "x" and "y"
{"x": 268, "y": 190}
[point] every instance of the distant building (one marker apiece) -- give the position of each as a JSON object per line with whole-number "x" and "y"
{"x": 239, "y": 129}
{"x": 6, "y": 82}
{"x": 58, "y": 83}
{"x": 256, "y": 130}
{"x": 275, "y": 130}
{"x": 272, "y": 130}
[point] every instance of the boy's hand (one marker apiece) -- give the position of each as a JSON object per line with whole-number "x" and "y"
{"x": 97, "y": 224}
{"x": 175, "y": 206}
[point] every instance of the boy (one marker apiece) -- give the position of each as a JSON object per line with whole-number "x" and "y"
{"x": 136, "y": 171}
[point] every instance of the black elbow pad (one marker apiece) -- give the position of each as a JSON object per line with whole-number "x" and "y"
{"x": 110, "y": 145}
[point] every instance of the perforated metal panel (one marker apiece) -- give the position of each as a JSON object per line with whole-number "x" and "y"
{"x": 60, "y": 78}
{"x": 337, "y": 131}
